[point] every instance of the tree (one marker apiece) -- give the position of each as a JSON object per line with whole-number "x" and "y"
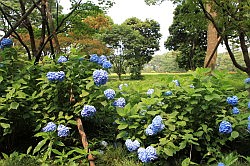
{"x": 19, "y": 22}
{"x": 150, "y": 32}
{"x": 231, "y": 23}
{"x": 188, "y": 36}
{"x": 123, "y": 40}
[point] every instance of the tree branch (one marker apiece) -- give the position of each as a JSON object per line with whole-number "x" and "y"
{"x": 21, "y": 19}
{"x": 237, "y": 65}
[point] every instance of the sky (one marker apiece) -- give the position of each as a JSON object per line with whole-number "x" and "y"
{"x": 123, "y": 9}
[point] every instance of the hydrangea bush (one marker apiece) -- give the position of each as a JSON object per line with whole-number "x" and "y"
{"x": 178, "y": 117}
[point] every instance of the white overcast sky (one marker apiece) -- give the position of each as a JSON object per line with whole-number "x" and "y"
{"x": 123, "y": 9}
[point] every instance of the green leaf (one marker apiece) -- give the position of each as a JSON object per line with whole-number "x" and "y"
{"x": 168, "y": 151}
{"x": 56, "y": 152}
{"x": 14, "y": 105}
{"x": 121, "y": 134}
{"x": 185, "y": 162}
{"x": 122, "y": 126}
{"x": 5, "y": 125}
{"x": 153, "y": 113}
{"x": 1, "y": 78}
{"x": 121, "y": 111}
{"x": 234, "y": 134}
{"x": 39, "y": 146}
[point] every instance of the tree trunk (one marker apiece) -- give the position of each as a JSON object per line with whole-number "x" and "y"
{"x": 52, "y": 28}
{"x": 212, "y": 40}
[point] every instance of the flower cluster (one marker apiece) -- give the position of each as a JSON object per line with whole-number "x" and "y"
{"x": 49, "y": 127}
{"x": 156, "y": 126}
{"x": 56, "y": 76}
{"x": 94, "y": 58}
{"x": 62, "y": 59}
{"x": 247, "y": 80}
{"x": 232, "y": 100}
{"x": 177, "y": 83}
{"x": 120, "y": 102}
{"x": 150, "y": 92}
{"x": 221, "y": 164}
{"x": 6, "y": 42}
{"x": 100, "y": 77}
{"x": 225, "y": 127}
{"x": 62, "y": 131}
{"x": 235, "y": 110}
{"x": 107, "y": 65}
{"x": 121, "y": 85}
{"x": 248, "y": 105}
{"x": 102, "y": 60}
{"x": 132, "y": 145}
{"x": 168, "y": 93}
{"x": 109, "y": 93}
{"x": 88, "y": 111}
{"x": 147, "y": 155}
{"x": 191, "y": 86}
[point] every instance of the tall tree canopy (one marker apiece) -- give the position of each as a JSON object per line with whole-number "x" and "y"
{"x": 188, "y": 36}
{"x": 150, "y": 31}
{"x": 231, "y": 23}
{"x": 138, "y": 40}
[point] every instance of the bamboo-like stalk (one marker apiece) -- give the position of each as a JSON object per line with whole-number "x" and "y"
{"x": 84, "y": 141}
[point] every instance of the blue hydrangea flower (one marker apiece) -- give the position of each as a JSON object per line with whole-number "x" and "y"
{"x": 107, "y": 65}
{"x": 149, "y": 130}
{"x": 157, "y": 123}
{"x": 100, "y": 77}
{"x": 247, "y": 80}
{"x": 155, "y": 127}
{"x": 151, "y": 153}
{"x": 177, "y": 83}
{"x": 56, "y": 76}
{"x": 94, "y": 58}
{"x": 102, "y": 59}
{"x": 132, "y": 145}
{"x": 248, "y": 105}
{"x": 6, "y": 42}
{"x": 147, "y": 155}
{"x": 88, "y": 111}
{"x": 221, "y": 164}
{"x": 62, "y": 59}
{"x": 142, "y": 155}
{"x": 235, "y": 110}
{"x": 168, "y": 93}
{"x": 49, "y": 127}
{"x": 62, "y": 131}
{"x": 109, "y": 93}
{"x": 248, "y": 118}
{"x": 121, "y": 85}
{"x": 225, "y": 127}
{"x": 150, "y": 91}
{"x": 232, "y": 100}
{"x": 60, "y": 75}
{"x": 120, "y": 102}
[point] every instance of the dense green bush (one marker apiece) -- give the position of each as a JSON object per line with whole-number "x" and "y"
{"x": 191, "y": 117}
{"x": 191, "y": 114}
